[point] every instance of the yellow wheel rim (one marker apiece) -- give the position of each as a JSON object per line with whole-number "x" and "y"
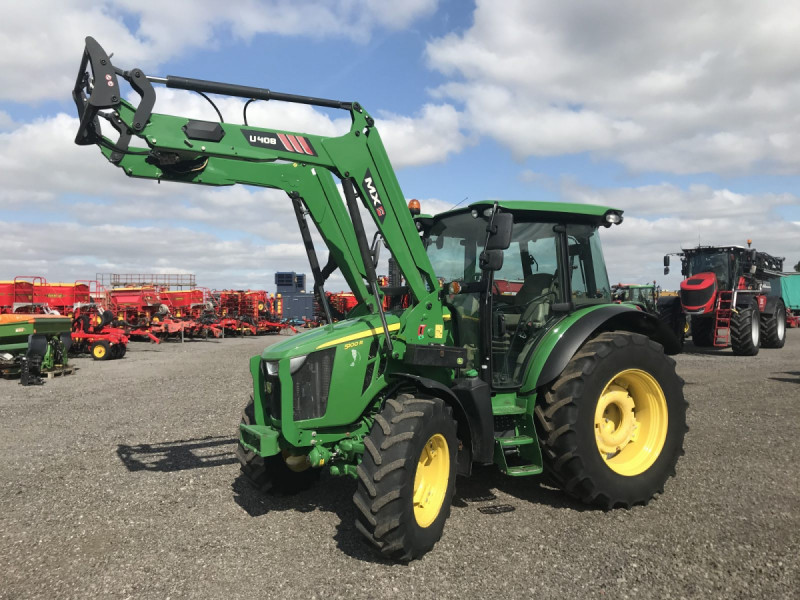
{"x": 630, "y": 422}
{"x": 99, "y": 351}
{"x": 430, "y": 482}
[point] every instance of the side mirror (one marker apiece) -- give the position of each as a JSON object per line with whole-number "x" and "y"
{"x": 500, "y": 233}
{"x": 491, "y": 260}
{"x": 666, "y": 260}
{"x": 666, "y": 270}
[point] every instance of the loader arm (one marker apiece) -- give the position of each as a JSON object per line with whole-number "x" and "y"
{"x": 302, "y": 165}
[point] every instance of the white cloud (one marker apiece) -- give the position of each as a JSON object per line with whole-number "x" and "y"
{"x": 680, "y": 87}
{"x": 43, "y": 41}
{"x": 664, "y": 218}
{"x": 429, "y": 138}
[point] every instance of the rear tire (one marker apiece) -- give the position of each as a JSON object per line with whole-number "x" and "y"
{"x": 271, "y": 474}
{"x": 745, "y": 331}
{"x": 611, "y": 427}
{"x": 773, "y": 327}
{"x": 406, "y": 478}
{"x": 703, "y": 331}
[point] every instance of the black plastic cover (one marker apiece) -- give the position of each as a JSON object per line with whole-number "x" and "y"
{"x": 204, "y": 131}
{"x": 436, "y": 355}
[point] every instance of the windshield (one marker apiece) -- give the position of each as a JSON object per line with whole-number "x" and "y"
{"x": 523, "y": 290}
{"x": 716, "y": 262}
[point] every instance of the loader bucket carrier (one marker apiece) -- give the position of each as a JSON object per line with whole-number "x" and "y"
{"x": 497, "y": 342}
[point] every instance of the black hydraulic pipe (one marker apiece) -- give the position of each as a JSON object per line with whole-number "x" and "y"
{"x": 245, "y": 91}
{"x": 366, "y": 256}
{"x": 305, "y": 234}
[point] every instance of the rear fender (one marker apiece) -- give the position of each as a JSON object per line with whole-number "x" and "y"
{"x": 617, "y": 317}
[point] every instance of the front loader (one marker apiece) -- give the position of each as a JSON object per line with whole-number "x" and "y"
{"x": 507, "y": 348}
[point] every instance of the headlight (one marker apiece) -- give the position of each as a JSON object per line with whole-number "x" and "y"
{"x": 613, "y": 218}
{"x": 296, "y": 362}
{"x": 272, "y": 367}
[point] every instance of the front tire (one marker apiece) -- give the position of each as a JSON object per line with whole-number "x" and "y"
{"x": 611, "y": 427}
{"x": 703, "y": 331}
{"x": 271, "y": 474}
{"x": 773, "y": 327}
{"x": 406, "y": 478}
{"x": 745, "y": 331}
{"x": 670, "y": 312}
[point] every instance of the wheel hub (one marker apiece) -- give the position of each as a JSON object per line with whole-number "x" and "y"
{"x": 630, "y": 422}
{"x": 615, "y": 421}
{"x": 431, "y": 480}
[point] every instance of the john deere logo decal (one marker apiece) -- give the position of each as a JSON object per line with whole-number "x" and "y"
{"x": 369, "y": 185}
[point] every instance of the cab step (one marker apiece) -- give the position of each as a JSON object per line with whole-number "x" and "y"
{"x": 518, "y": 455}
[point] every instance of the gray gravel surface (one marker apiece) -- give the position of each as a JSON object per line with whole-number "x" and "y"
{"x": 120, "y": 482}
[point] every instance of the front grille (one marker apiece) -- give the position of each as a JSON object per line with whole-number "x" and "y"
{"x": 696, "y": 298}
{"x": 311, "y": 384}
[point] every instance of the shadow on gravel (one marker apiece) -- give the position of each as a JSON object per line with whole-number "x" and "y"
{"x": 330, "y": 494}
{"x": 335, "y": 495}
{"x": 692, "y": 349}
{"x": 180, "y": 455}
{"x": 477, "y": 491}
{"x": 795, "y": 377}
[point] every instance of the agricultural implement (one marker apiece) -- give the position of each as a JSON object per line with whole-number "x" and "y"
{"x": 551, "y": 375}
{"x": 732, "y": 295}
{"x": 84, "y": 302}
{"x": 33, "y": 345}
{"x": 94, "y": 332}
{"x": 790, "y": 293}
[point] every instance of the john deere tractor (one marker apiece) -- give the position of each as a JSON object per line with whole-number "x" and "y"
{"x": 508, "y": 348}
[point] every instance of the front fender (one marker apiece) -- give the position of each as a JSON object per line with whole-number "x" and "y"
{"x": 473, "y": 412}
{"x": 562, "y": 342}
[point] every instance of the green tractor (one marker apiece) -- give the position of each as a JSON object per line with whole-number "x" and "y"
{"x": 506, "y": 347}
{"x": 648, "y": 298}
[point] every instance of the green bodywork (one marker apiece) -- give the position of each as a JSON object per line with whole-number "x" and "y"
{"x": 348, "y": 365}
{"x": 15, "y": 337}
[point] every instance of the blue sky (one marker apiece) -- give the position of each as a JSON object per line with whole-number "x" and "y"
{"x": 572, "y": 101}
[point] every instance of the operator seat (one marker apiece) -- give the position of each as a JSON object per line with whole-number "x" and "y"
{"x": 533, "y": 286}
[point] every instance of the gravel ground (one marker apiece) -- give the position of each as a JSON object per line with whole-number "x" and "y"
{"x": 120, "y": 482}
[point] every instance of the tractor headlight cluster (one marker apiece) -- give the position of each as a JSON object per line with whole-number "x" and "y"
{"x": 296, "y": 362}
{"x": 612, "y": 218}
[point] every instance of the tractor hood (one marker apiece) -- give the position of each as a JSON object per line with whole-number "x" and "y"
{"x": 349, "y": 331}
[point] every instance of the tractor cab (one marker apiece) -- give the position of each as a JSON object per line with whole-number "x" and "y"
{"x": 645, "y": 297}
{"x": 551, "y": 266}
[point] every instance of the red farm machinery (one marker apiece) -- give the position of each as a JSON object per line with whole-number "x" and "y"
{"x": 250, "y": 312}
{"x": 85, "y": 302}
{"x": 732, "y": 296}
